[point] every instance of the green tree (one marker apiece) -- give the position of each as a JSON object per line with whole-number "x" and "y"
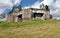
{"x": 47, "y": 8}
{"x": 42, "y": 6}
{"x": 17, "y": 8}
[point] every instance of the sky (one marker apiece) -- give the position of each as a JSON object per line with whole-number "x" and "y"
{"x": 54, "y": 5}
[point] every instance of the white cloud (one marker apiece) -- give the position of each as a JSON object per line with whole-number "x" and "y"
{"x": 35, "y": 5}
{"x": 55, "y": 10}
{"x": 47, "y": 2}
{"x": 54, "y": 7}
{"x": 16, "y": 2}
{"x": 8, "y": 4}
{"x": 26, "y": 7}
{"x": 5, "y": 3}
{"x": 1, "y": 10}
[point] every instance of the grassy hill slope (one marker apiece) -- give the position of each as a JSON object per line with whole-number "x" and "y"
{"x": 30, "y": 29}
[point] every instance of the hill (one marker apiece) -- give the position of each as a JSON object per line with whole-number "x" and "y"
{"x": 30, "y": 29}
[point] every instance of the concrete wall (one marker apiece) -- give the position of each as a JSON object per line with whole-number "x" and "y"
{"x": 27, "y": 14}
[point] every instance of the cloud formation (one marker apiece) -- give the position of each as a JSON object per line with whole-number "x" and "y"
{"x": 4, "y": 4}
{"x": 35, "y": 5}
{"x": 54, "y": 7}
{"x": 47, "y": 2}
{"x": 8, "y": 4}
{"x": 16, "y": 2}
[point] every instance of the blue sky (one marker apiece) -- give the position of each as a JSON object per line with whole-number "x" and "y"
{"x": 28, "y": 2}
{"x": 54, "y": 5}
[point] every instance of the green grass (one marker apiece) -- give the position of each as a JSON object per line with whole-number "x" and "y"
{"x": 26, "y": 23}
{"x": 30, "y": 29}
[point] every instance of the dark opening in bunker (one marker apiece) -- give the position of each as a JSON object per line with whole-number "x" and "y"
{"x": 20, "y": 17}
{"x": 37, "y": 15}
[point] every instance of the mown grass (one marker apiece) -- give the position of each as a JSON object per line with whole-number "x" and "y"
{"x": 30, "y": 29}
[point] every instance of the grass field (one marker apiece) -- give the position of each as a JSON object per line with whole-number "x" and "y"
{"x": 30, "y": 29}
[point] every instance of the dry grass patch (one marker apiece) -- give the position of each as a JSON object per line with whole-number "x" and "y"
{"x": 30, "y": 29}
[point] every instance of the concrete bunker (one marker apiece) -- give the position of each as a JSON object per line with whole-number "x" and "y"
{"x": 38, "y": 15}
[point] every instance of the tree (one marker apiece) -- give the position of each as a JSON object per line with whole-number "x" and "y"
{"x": 47, "y": 8}
{"x": 42, "y": 6}
{"x": 20, "y": 8}
{"x": 16, "y": 8}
